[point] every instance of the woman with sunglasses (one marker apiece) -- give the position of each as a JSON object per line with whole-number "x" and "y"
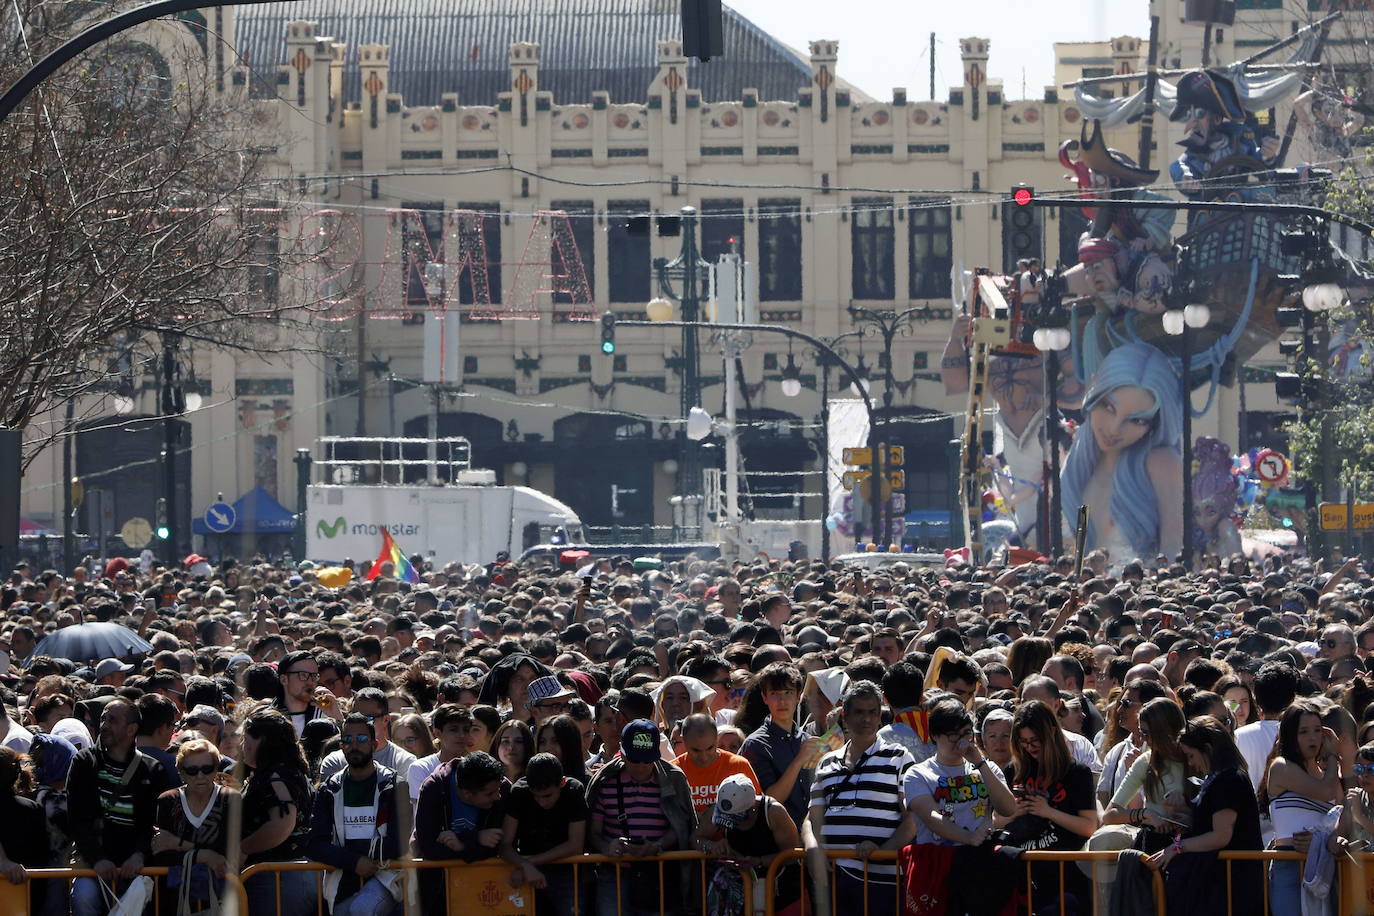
{"x": 1355, "y": 831}
{"x": 1123, "y": 744}
{"x": 1302, "y": 783}
{"x": 191, "y": 833}
{"x": 1055, "y": 805}
{"x": 1157, "y": 778}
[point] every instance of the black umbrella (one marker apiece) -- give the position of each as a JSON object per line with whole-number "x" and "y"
{"x": 88, "y": 642}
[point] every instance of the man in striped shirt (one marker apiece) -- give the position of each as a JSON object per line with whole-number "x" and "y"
{"x": 639, "y": 805}
{"x": 857, "y": 803}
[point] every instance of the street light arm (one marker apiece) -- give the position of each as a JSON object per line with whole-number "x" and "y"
{"x": 89, "y": 39}
{"x": 816, "y": 342}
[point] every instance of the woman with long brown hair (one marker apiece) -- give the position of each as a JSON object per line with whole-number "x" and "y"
{"x": 1054, "y": 794}
{"x": 1158, "y": 777}
{"x": 1225, "y": 817}
{"x": 513, "y": 746}
{"x": 1302, "y": 782}
{"x": 26, "y": 842}
{"x": 1027, "y": 656}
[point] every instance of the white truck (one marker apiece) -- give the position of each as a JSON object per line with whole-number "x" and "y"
{"x": 429, "y": 497}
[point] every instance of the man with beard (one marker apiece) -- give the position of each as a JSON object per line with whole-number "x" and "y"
{"x": 356, "y": 825}
{"x": 112, "y": 792}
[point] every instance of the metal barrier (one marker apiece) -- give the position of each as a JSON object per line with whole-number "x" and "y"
{"x": 1029, "y": 858}
{"x": 68, "y": 875}
{"x": 457, "y": 877}
{"x": 1266, "y": 856}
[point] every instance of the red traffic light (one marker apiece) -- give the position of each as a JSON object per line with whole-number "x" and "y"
{"x": 1022, "y": 195}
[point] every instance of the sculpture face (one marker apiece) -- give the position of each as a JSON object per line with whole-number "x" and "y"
{"x": 1102, "y": 277}
{"x": 1115, "y": 419}
{"x": 1198, "y": 128}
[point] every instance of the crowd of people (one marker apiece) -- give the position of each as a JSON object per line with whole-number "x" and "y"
{"x": 957, "y": 717}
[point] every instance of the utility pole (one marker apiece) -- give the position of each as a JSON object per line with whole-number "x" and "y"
{"x": 173, "y": 404}
{"x": 302, "y": 462}
{"x": 68, "y": 494}
{"x": 932, "y": 66}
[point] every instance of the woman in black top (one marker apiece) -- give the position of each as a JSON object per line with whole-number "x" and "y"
{"x": 1225, "y": 816}
{"x": 276, "y": 813}
{"x": 26, "y": 843}
{"x": 1058, "y": 810}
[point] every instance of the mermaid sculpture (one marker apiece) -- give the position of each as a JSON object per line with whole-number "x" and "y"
{"x": 1125, "y": 464}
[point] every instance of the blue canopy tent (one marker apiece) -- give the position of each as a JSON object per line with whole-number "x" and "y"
{"x": 255, "y": 512}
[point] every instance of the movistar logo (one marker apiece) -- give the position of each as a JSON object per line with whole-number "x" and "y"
{"x": 329, "y": 531}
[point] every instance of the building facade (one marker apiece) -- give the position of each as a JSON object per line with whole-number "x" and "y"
{"x": 567, "y": 148}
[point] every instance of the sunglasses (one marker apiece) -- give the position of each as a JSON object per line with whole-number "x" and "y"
{"x": 1364, "y": 769}
{"x": 1125, "y": 703}
{"x": 1328, "y": 643}
{"x": 203, "y": 770}
{"x": 361, "y": 740}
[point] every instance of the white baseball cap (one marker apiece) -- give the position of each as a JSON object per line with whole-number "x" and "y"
{"x": 734, "y": 799}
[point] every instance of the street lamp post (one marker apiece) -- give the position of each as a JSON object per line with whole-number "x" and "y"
{"x": 686, "y": 269}
{"x": 826, "y": 351}
{"x": 887, "y": 326}
{"x": 1181, "y": 323}
{"x": 302, "y": 462}
{"x": 173, "y": 405}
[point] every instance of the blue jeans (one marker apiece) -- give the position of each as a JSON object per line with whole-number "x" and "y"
{"x": 1285, "y": 888}
{"x": 372, "y": 899}
{"x": 87, "y": 898}
{"x": 558, "y": 898}
{"x": 298, "y": 893}
{"x": 607, "y": 900}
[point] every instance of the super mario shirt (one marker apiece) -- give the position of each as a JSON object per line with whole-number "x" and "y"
{"x": 960, "y": 793}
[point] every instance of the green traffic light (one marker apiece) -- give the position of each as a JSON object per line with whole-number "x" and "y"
{"x": 163, "y": 532}
{"x": 608, "y": 346}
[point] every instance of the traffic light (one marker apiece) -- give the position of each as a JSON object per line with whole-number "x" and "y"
{"x": 608, "y": 333}
{"x": 1022, "y": 228}
{"x": 163, "y": 531}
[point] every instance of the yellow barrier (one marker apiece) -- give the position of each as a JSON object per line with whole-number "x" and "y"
{"x": 1029, "y": 858}
{"x": 16, "y": 899}
{"x": 484, "y": 887}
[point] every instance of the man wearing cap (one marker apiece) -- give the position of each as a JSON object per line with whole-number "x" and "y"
{"x": 640, "y": 806}
{"x": 549, "y": 697}
{"x": 748, "y": 827}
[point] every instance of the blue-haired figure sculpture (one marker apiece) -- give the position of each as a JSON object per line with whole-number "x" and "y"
{"x": 1125, "y": 463}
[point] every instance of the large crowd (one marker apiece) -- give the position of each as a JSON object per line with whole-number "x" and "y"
{"x": 956, "y": 716}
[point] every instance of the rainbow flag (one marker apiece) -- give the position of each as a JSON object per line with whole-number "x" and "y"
{"x": 393, "y": 555}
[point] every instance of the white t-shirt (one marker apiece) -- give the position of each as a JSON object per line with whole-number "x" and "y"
{"x": 421, "y": 770}
{"x": 1084, "y": 752}
{"x": 1255, "y": 742}
{"x": 960, "y": 792}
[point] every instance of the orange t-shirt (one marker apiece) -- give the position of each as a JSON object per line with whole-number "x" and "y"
{"x": 705, "y": 781}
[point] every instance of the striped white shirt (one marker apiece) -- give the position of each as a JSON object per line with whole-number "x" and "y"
{"x": 863, "y": 802}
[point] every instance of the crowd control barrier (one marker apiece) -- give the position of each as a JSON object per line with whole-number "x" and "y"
{"x": 17, "y": 899}
{"x": 483, "y": 888}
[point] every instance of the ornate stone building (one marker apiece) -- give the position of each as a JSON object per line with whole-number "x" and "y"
{"x": 842, "y": 201}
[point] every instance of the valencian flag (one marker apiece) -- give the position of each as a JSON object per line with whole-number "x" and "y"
{"x": 393, "y": 555}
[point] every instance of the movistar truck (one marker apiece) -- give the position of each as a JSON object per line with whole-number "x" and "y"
{"x": 429, "y": 497}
